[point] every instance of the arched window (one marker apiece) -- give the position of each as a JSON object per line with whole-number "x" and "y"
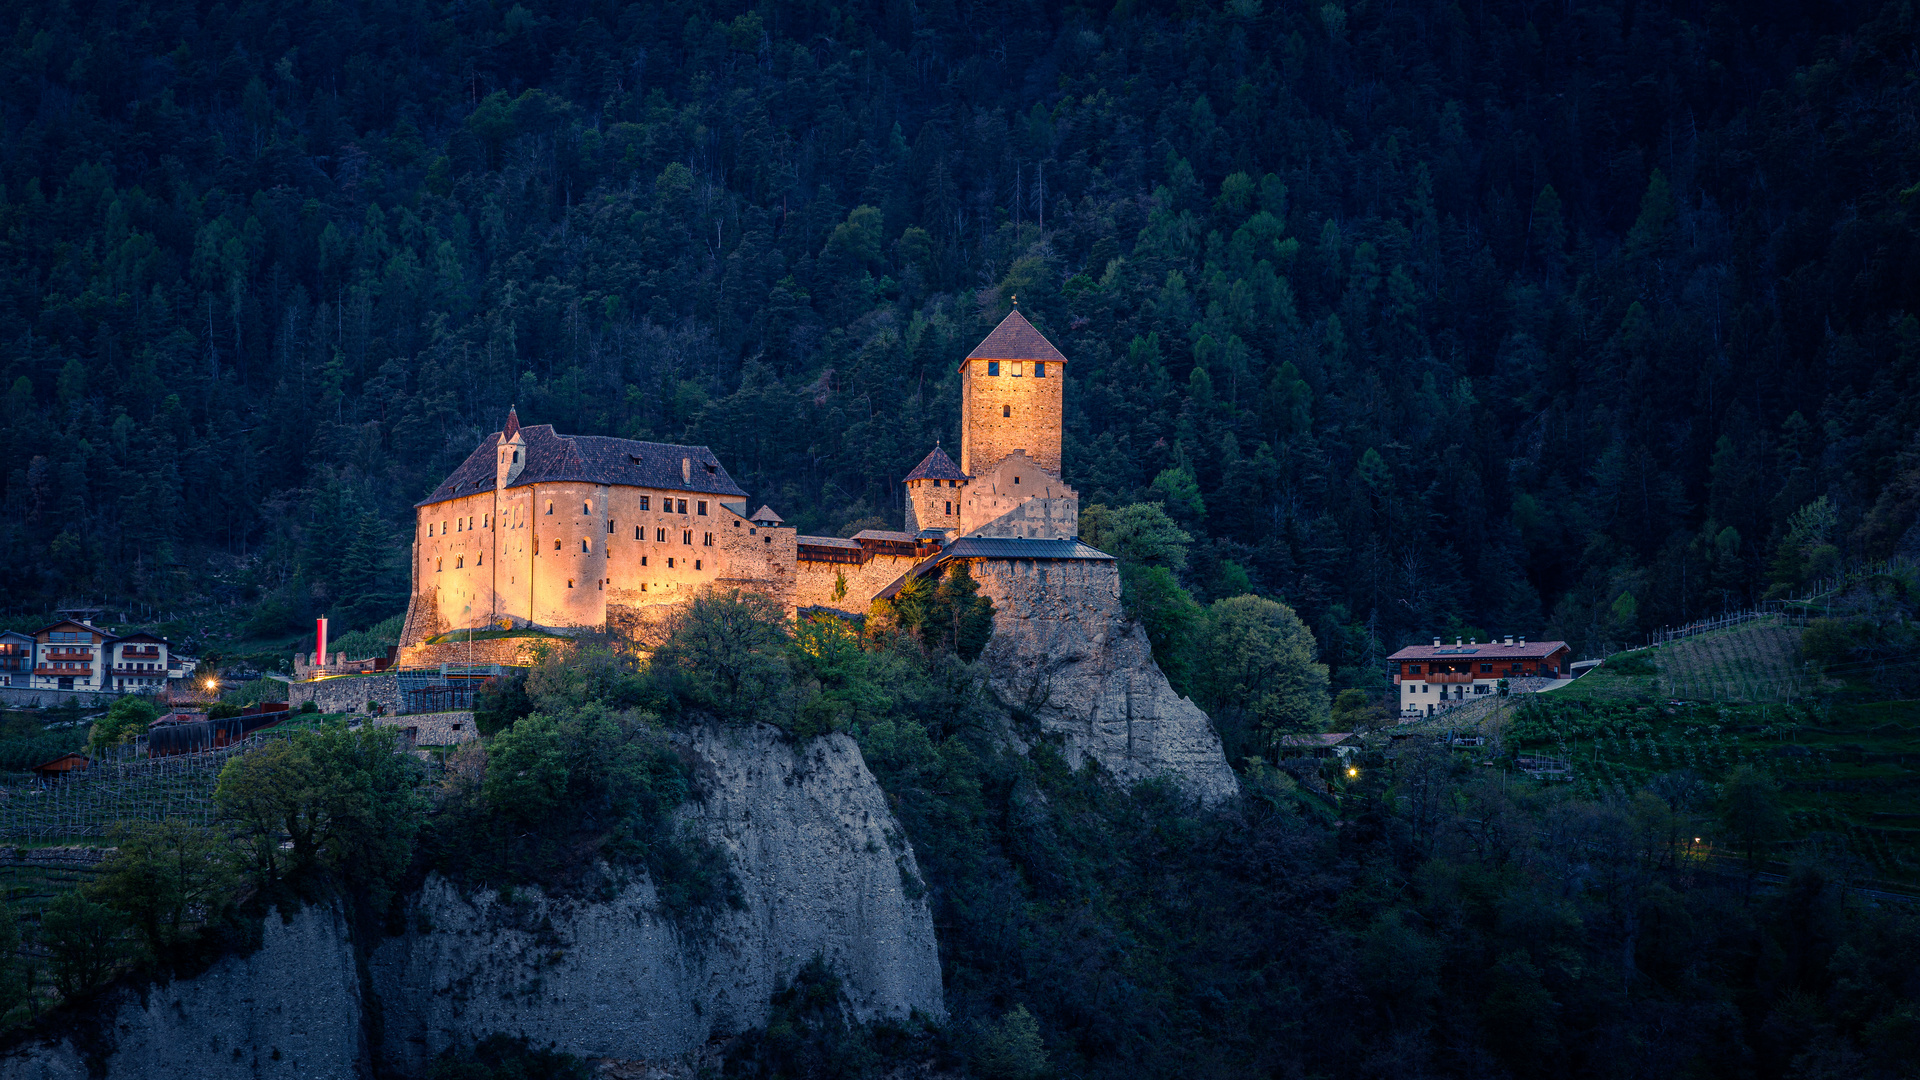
{"x": 459, "y": 562}
{"x": 516, "y": 455}
{"x": 437, "y": 565}
{"x": 586, "y": 546}
{"x": 569, "y": 583}
{"x": 1006, "y": 410}
{"x": 586, "y": 508}
{"x": 549, "y": 506}
{"x": 480, "y": 559}
{"x": 556, "y": 545}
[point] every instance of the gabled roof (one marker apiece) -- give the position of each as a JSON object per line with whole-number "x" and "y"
{"x": 1016, "y": 339}
{"x": 1482, "y": 650}
{"x": 50, "y": 627}
{"x": 765, "y": 513}
{"x": 884, "y": 534}
{"x": 935, "y": 466}
{"x": 828, "y": 542}
{"x": 592, "y": 459}
{"x": 141, "y": 635}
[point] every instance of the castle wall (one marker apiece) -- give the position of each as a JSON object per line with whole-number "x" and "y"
{"x": 933, "y": 504}
{"x": 1014, "y": 482}
{"x": 664, "y": 556}
{"x": 1003, "y": 413}
{"x": 816, "y": 582}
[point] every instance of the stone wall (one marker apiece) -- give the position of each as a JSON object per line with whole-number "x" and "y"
{"x": 347, "y": 693}
{"x": 433, "y": 729}
{"x": 26, "y": 697}
{"x": 511, "y": 651}
{"x": 815, "y": 582}
{"x": 1065, "y": 653}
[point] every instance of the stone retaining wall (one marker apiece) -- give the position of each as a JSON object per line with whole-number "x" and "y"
{"x": 434, "y": 729}
{"x": 348, "y": 693}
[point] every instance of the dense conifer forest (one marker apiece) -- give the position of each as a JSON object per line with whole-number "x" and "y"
{"x": 1425, "y": 318}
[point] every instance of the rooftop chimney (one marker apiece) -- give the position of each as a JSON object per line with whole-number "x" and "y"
{"x": 1509, "y": 639}
{"x": 1523, "y": 641}
{"x": 1436, "y": 643}
{"x": 1457, "y": 643}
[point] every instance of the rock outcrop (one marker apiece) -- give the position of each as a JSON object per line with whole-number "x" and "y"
{"x": 822, "y": 867}
{"x": 292, "y": 1009}
{"x": 1065, "y": 653}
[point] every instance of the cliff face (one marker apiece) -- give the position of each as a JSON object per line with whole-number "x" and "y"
{"x": 821, "y": 864}
{"x": 1065, "y": 652}
{"x": 291, "y": 1009}
{"x": 822, "y": 867}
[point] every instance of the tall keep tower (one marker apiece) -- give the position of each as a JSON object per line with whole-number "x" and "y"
{"x": 1010, "y": 398}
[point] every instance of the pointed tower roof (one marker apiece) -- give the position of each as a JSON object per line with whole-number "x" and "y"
{"x": 513, "y": 425}
{"x": 765, "y": 513}
{"x": 935, "y": 466}
{"x": 1016, "y": 339}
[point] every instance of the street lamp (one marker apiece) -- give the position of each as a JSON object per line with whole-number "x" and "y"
{"x": 1352, "y": 771}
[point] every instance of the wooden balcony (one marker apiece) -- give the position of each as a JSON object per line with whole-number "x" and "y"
{"x": 65, "y": 673}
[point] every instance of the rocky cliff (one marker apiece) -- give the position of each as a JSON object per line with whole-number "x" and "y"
{"x": 1065, "y": 653}
{"x": 822, "y": 867}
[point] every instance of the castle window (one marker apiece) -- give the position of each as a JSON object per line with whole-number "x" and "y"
{"x": 609, "y": 524}
{"x": 646, "y": 502}
{"x": 769, "y": 539}
{"x": 659, "y": 536}
{"x": 586, "y": 508}
{"x": 586, "y": 546}
{"x": 469, "y": 523}
{"x": 480, "y": 559}
{"x": 569, "y": 583}
{"x": 683, "y": 506}
{"x": 549, "y": 506}
{"x": 600, "y": 584}
{"x": 1016, "y": 369}
{"x": 459, "y": 524}
{"x": 993, "y": 367}
{"x": 669, "y": 562}
{"x": 637, "y": 535}
{"x": 707, "y": 541}
{"x": 949, "y": 506}
{"x": 686, "y": 537}
{"x": 437, "y": 565}
{"x": 459, "y": 563}
{"x": 516, "y": 455}
{"x": 1016, "y": 479}
{"x": 643, "y": 562}
{"x": 696, "y": 564}
{"x": 702, "y": 508}
{"x": 1039, "y": 369}
{"x": 556, "y": 545}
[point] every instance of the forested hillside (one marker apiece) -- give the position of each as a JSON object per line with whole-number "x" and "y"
{"x": 1425, "y": 318}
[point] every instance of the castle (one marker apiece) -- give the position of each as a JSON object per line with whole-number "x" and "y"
{"x": 558, "y": 532}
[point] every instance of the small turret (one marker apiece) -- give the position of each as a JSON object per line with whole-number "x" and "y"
{"x": 933, "y": 494}
{"x": 512, "y": 452}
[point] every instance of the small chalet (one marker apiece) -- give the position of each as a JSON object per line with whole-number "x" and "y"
{"x": 62, "y": 765}
{"x": 1432, "y": 677}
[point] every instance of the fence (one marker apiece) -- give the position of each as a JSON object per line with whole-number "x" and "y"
{"x": 1795, "y": 611}
{"x": 120, "y": 785}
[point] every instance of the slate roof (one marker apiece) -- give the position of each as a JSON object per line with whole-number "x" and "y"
{"x": 765, "y": 513}
{"x": 1015, "y": 547}
{"x": 592, "y": 459}
{"x": 1016, "y": 339}
{"x": 1484, "y": 650}
{"x": 883, "y": 534}
{"x": 827, "y": 541}
{"x": 936, "y": 466}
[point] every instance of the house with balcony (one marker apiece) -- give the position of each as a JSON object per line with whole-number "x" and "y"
{"x": 70, "y": 655}
{"x": 16, "y": 659}
{"x": 1434, "y": 677}
{"x": 140, "y": 663}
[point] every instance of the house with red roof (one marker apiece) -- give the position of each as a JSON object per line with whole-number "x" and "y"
{"x": 1434, "y": 677}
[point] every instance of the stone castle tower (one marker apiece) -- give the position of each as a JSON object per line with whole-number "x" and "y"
{"x": 1007, "y": 482}
{"x": 1010, "y": 398}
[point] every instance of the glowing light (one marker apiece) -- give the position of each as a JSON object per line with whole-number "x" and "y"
{"x": 1351, "y": 771}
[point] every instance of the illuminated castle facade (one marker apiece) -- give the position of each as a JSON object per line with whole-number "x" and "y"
{"x": 585, "y": 532}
